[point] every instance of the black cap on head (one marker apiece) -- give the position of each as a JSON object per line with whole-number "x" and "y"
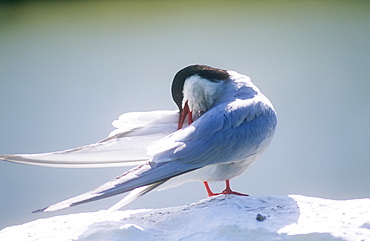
{"x": 206, "y": 72}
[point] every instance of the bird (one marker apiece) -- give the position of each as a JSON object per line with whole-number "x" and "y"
{"x": 221, "y": 127}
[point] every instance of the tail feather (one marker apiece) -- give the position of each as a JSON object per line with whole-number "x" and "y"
{"x": 143, "y": 178}
{"x": 132, "y": 196}
{"x": 126, "y": 146}
{"x": 113, "y": 152}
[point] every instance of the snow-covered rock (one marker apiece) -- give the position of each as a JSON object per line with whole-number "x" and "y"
{"x": 224, "y": 217}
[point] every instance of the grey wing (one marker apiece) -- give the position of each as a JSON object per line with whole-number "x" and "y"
{"x": 224, "y": 134}
{"x": 126, "y": 146}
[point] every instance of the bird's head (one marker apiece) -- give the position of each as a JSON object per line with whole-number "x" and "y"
{"x": 196, "y": 88}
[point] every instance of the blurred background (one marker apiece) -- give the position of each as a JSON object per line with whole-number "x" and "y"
{"x": 69, "y": 68}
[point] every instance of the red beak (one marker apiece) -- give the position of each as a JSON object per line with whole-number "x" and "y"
{"x": 185, "y": 112}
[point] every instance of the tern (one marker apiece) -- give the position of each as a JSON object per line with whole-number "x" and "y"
{"x": 222, "y": 126}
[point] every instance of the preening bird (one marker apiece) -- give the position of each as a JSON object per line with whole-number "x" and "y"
{"x": 222, "y": 125}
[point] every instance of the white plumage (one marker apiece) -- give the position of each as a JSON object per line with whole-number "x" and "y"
{"x": 230, "y": 124}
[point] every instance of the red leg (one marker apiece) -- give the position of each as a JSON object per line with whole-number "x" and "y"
{"x": 229, "y": 191}
{"x": 209, "y": 191}
{"x": 226, "y": 191}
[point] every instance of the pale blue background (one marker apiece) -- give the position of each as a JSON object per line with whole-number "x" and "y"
{"x": 68, "y": 69}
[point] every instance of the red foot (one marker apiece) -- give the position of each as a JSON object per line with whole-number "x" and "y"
{"x": 226, "y": 191}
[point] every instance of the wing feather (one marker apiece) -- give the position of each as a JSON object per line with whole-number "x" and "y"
{"x": 125, "y": 146}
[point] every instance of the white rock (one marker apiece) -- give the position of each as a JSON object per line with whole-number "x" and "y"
{"x": 224, "y": 217}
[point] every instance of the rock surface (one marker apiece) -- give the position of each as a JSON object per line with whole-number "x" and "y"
{"x": 224, "y": 217}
